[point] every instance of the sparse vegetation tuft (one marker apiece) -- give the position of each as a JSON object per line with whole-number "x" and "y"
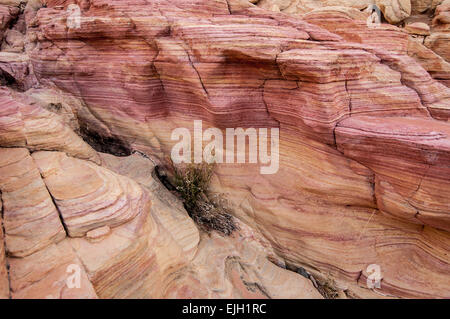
{"x": 327, "y": 288}
{"x": 209, "y": 212}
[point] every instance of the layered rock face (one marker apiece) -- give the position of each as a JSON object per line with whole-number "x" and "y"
{"x": 364, "y": 149}
{"x": 74, "y": 229}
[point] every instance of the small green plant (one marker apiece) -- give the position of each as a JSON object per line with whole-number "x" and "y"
{"x": 192, "y": 184}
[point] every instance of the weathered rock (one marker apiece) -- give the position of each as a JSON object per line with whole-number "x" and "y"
{"x": 325, "y": 66}
{"x": 244, "y": 270}
{"x": 395, "y": 11}
{"x": 13, "y": 42}
{"x": 4, "y": 278}
{"x": 69, "y": 109}
{"x": 89, "y": 196}
{"x": 22, "y": 123}
{"x": 435, "y": 65}
{"x": 8, "y": 12}
{"x": 434, "y": 95}
{"x": 305, "y": 6}
{"x": 15, "y": 71}
{"x": 257, "y": 68}
{"x": 442, "y": 15}
{"x": 422, "y": 145}
{"x": 155, "y": 254}
{"x": 327, "y": 80}
{"x": 128, "y": 263}
{"x": 166, "y": 241}
{"x": 419, "y": 6}
{"x": 439, "y": 43}
{"x": 166, "y": 207}
{"x": 50, "y": 273}
{"x": 98, "y": 234}
{"x": 244, "y": 253}
{"x": 419, "y": 28}
{"x": 352, "y": 25}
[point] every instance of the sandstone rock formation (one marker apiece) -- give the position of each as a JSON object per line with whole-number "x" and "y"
{"x": 26, "y": 230}
{"x": 364, "y": 148}
{"x": 138, "y": 245}
{"x": 63, "y": 214}
{"x": 438, "y": 41}
{"x": 395, "y": 10}
{"x": 304, "y": 6}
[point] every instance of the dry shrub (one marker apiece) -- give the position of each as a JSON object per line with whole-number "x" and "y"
{"x": 327, "y": 288}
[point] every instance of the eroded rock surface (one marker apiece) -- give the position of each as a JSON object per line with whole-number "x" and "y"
{"x": 364, "y": 152}
{"x": 27, "y": 229}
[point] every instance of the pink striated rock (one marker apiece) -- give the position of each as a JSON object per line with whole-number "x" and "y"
{"x": 166, "y": 242}
{"x": 8, "y": 12}
{"x": 312, "y": 108}
{"x": 419, "y": 28}
{"x": 256, "y": 68}
{"x": 435, "y": 65}
{"x": 13, "y": 42}
{"x": 442, "y": 15}
{"x": 47, "y": 274}
{"x": 98, "y": 234}
{"x": 396, "y": 149}
{"x": 88, "y": 196}
{"x": 419, "y": 6}
{"x": 395, "y": 11}
{"x": 352, "y": 25}
{"x": 439, "y": 43}
{"x": 363, "y": 149}
{"x": 382, "y": 93}
{"x": 304, "y": 6}
{"x": 24, "y": 124}
{"x": 434, "y": 95}
{"x": 249, "y": 274}
{"x": 26, "y": 230}
{"x": 152, "y": 256}
{"x": 324, "y": 66}
{"x": 15, "y": 68}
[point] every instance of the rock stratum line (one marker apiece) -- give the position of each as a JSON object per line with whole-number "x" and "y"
{"x": 364, "y": 174}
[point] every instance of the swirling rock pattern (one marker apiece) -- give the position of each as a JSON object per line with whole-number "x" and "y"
{"x": 259, "y": 68}
{"x": 25, "y": 124}
{"x": 26, "y": 230}
{"x": 304, "y": 6}
{"x": 74, "y": 229}
{"x": 363, "y": 118}
{"x": 423, "y": 145}
{"x": 233, "y": 267}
